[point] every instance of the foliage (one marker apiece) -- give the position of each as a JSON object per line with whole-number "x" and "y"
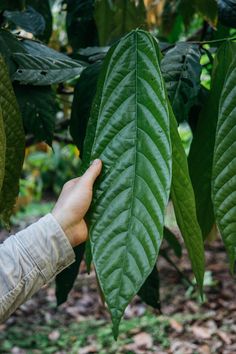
{"x": 127, "y": 104}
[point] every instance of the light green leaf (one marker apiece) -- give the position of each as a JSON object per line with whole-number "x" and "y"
{"x": 184, "y": 205}
{"x": 15, "y": 140}
{"x": 202, "y": 147}
{"x": 181, "y": 70}
{"x": 132, "y": 139}
{"x": 116, "y": 18}
{"x": 2, "y": 149}
{"x": 41, "y": 71}
{"x": 224, "y": 166}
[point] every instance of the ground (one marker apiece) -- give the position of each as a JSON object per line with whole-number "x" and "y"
{"x": 82, "y": 325}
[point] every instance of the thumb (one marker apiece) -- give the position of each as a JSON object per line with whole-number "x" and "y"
{"x": 93, "y": 172}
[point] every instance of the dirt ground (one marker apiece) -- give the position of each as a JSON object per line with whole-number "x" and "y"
{"x": 191, "y": 327}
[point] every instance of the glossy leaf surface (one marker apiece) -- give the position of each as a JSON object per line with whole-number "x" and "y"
{"x": 181, "y": 70}
{"x": 224, "y": 166}
{"x": 15, "y": 140}
{"x": 132, "y": 139}
{"x": 202, "y": 147}
{"x": 184, "y": 205}
{"x": 41, "y": 71}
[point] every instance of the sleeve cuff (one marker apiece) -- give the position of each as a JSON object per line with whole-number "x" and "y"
{"x": 47, "y": 245}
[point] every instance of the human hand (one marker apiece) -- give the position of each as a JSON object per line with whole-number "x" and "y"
{"x": 74, "y": 202}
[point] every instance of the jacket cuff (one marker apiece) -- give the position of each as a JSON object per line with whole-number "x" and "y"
{"x": 46, "y": 244}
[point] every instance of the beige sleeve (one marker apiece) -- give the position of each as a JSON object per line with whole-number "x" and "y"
{"x": 30, "y": 259}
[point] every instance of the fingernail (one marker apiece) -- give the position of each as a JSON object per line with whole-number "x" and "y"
{"x": 96, "y": 162}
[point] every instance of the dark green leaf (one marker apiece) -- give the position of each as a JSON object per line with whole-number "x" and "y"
{"x": 66, "y": 279}
{"x": 184, "y": 205}
{"x": 41, "y": 71}
{"x": 202, "y": 147}
{"x": 132, "y": 139}
{"x": 208, "y": 9}
{"x": 15, "y": 140}
{"x": 36, "y": 48}
{"x": 9, "y": 45}
{"x": 2, "y": 149}
{"x": 38, "y": 109}
{"x": 116, "y": 18}
{"x": 173, "y": 242}
{"x": 227, "y": 12}
{"x": 80, "y": 24}
{"x": 11, "y": 5}
{"x": 29, "y": 20}
{"x": 43, "y": 7}
{"x": 224, "y": 166}
{"x": 149, "y": 291}
{"x": 181, "y": 70}
{"x": 84, "y": 93}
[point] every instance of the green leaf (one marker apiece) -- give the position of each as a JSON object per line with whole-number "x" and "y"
{"x": 29, "y": 20}
{"x": 36, "y": 48}
{"x": 8, "y": 45}
{"x": 116, "y": 18}
{"x": 227, "y": 12}
{"x": 202, "y": 147}
{"x": 224, "y": 166}
{"x": 2, "y": 149}
{"x": 80, "y": 24}
{"x": 43, "y": 7}
{"x": 173, "y": 242}
{"x": 66, "y": 279}
{"x": 182, "y": 196}
{"x": 11, "y": 5}
{"x": 149, "y": 291}
{"x": 38, "y": 109}
{"x": 83, "y": 96}
{"x": 208, "y": 9}
{"x": 181, "y": 70}
{"x": 41, "y": 71}
{"x": 132, "y": 139}
{"x": 15, "y": 140}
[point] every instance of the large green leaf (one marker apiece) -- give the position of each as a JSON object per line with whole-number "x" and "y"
{"x": 36, "y": 48}
{"x": 29, "y": 20}
{"x": 66, "y": 279}
{"x": 184, "y": 205}
{"x": 8, "y": 45}
{"x": 41, "y": 71}
{"x": 181, "y": 70}
{"x": 84, "y": 93}
{"x": 80, "y": 24}
{"x": 116, "y": 18}
{"x": 2, "y": 149}
{"x": 38, "y": 109}
{"x": 227, "y": 12}
{"x": 224, "y": 166}
{"x": 202, "y": 147}
{"x": 130, "y": 197}
{"x": 15, "y": 140}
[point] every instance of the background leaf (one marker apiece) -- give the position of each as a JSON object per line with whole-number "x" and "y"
{"x": 173, "y": 242}
{"x": 83, "y": 96}
{"x": 208, "y": 9}
{"x": 11, "y": 5}
{"x": 15, "y": 139}
{"x": 224, "y": 166}
{"x": 40, "y": 71}
{"x": 127, "y": 213}
{"x": 116, "y": 18}
{"x": 2, "y": 149}
{"x": 202, "y": 147}
{"x": 181, "y": 70}
{"x": 29, "y": 20}
{"x": 66, "y": 279}
{"x": 227, "y": 12}
{"x": 149, "y": 291}
{"x": 182, "y": 196}
{"x": 38, "y": 109}
{"x": 43, "y": 7}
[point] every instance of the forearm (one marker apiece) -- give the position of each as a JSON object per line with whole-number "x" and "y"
{"x": 30, "y": 259}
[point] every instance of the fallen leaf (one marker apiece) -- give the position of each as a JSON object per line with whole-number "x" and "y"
{"x": 54, "y": 335}
{"x": 202, "y": 332}
{"x": 175, "y": 325}
{"x": 143, "y": 340}
{"x": 224, "y": 336}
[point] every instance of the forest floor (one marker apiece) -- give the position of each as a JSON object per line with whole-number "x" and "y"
{"x": 82, "y": 325}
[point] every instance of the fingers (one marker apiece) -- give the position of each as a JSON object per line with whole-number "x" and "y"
{"x": 93, "y": 172}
